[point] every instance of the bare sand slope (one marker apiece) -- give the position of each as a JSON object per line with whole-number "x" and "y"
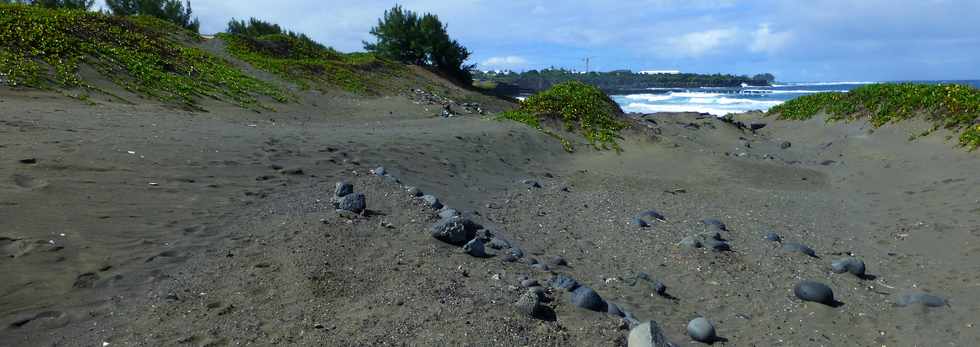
{"x": 232, "y": 244}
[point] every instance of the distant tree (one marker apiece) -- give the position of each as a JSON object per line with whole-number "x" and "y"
{"x": 253, "y": 28}
{"x": 170, "y": 10}
{"x": 768, "y": 77}
{"x": 404, "y": 36}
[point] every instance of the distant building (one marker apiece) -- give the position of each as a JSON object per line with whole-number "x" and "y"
{"x": 660, "y": 72}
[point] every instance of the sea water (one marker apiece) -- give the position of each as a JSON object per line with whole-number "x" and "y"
{"x": 722, "y": 101}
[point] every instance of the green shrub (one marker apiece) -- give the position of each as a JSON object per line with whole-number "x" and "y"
{"x": 579, "y": 106}
{"x": 169, "y": 10}
{"x": 310, "y": 64}
{"x": 44, "y": 48}
{"x": 951, "y": 106}
{"x": 405, "y": 36}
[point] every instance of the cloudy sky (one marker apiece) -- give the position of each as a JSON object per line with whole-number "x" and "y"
{"x": 797, "y": 40}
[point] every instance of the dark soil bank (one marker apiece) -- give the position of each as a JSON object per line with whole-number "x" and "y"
{"x": 143, "y": 225}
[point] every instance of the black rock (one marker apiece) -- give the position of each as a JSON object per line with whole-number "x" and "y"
{"x": 531, "y": 184}
{"x": 757, "y": 126}
{"x": 799, "y": 248}
{"x": 475, "y": 248}
{"x": 413, "y": 191}
{"x": 508, "y": 258}
{"x": 456, "y": 231}
{"x": 715, "y": 223}
{"x": 585, "y": 297}
{"x": 342, "y": 189}
{"x": 28, "y": 161}
{"x": 558, "y": 261}
{"x": 701, "y": 330}
{"x": 292, "y": 171}
{"x": 717, "y": 246}
{"x": 660, "y": 288}
{"x": 517, "y": 252}
{"x": 814, "y": 291}
{"x": 920, "y": 298}
{"x": 432, "y": 201}
{"x": 528, "y": 283}
{"x": 773, "y": 237}
{"x": 640, "y": 222}
{"x": 853, "y": 265}
{"x": 355, "y": 202}
{"x": 785, "y": 145}
{"x": 540, "y": 267}
{"x": 448, "y": 212}
{"x": 614, "y": 310}
{"x": 690, "y": 242}
{"x": 498, "y": 243}
{"x": 380, "y": 171}
{"x": 564, "y": 282}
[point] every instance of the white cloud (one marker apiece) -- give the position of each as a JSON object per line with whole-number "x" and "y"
{"x": 700, "y": 43}
{"x": 505, "y": 62}
{"x": 764, "y": 40}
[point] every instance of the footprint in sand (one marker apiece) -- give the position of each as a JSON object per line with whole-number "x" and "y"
{"x": 28, "y": 182}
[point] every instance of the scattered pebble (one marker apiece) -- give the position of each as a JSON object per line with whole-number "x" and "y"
{"x": 814, "y": 291}
{"x": 852, "y": 265}
{"x": 690, "y": 242}
{"x": 715, "y": 223}
{"x": 498, "y": 243}
{"x": 540, "y": 267}
{"x": 717, "y": 246}
{"x": 558, "y": 261}
{"x": 773, "y": 237}
{"x": 660, "y": 288}
{"x": 701, "y": 330}
{"x": 641, "y": 219}
{"x": 379, "y": 171}
{"x": 531, "y": 184}
{"x": 517, "y": 252}
{"x": 28, "y": 161}
{"x": 799, "y": 248}
{"x": 785, "y": 145}
{"x": 413, "y": 191}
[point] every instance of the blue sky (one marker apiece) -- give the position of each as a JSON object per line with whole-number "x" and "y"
{"x": 811, "y": 40}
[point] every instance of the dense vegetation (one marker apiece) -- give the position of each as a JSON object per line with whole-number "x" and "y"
{"x": 69, "y": 4}
{"x": 297, "y": 58}
{"x": 951, "y": 106}
{"x": 47, "y": 48}
{"x": 621, "y": 80}
{"x": 405, "y": 36}
{"x": 579, "y": 106}
{"x": 170, "y": 10}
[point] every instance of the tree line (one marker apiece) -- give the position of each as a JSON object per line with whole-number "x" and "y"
{"x": 620, "y": 80}
{"x": 169, "y": 10}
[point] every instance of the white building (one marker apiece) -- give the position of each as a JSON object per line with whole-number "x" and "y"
{"x": 660, "y": 72}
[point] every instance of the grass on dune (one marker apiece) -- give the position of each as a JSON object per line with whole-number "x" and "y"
{"x": 579, "y": 106}
{"x": 46, "y": 48}
{"x": 950, "y": 106}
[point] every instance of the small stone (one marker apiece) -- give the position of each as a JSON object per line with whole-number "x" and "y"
{"x": 432, "y": 201}
{"x": 448, "y": 212}
{"x": 498, "y": 243}
{"x": 585, "y": 297}
{"x": 28, "y": 161}
{"x": 530, "y": 304}
{"x": 355, "y": 202}
{"x": 717, "y": 246}
{"x": 291, "y": 171}
{"x": 701, "y": 330}
{"x": 799, "y": 248}
{"x": 456, "y": 231}
{"x": 785, "y": 145}
{"x": 640, "y": 222}
{"x": 413, "y": 191}
{"x": 475, "y": 248}
{"x": 508, "y": 258}
{"x": 558, "y": 261}
{"x": 852, "y": 265}
{"x": 531, "y": 184}
{"x": 528, "y": 283}
{"x": 564, "y": 282}
{"x": 713, "y": 235}
{"x": 342, "y": 189}
{"x": 379, "y": 171}
{"x": 540, "y": 267}
{"x": 773, "y": 237}
{"x": 517, "y": 252}
{"x": 715, "y": 223}
{"x": 648, "y": 334}
{"x": 925, "y": 299}
{"x": 660, "y": 288}
{"x": 690, "y": 242}
{"x": 814, "y": 291}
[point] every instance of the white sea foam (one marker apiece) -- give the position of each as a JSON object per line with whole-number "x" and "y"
{"x": 801, "y": 84}
{"x": 648, "y": 97}
{"x": 718, "y": 110}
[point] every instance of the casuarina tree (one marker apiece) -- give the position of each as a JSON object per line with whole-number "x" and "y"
{"x": 407, "y": 37}
{"x": 170, "y": 10}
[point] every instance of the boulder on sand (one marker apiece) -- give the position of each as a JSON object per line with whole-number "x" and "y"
{"x": 814, "y": 291}
{"x": 648, "y": 334}
{"x": 455, "y": 231}
{"x": 432, "y": 201}
{"x": 475, "y": 248}
{"x": 585, "y": 297}
{"x": 352, "y": 202}
{"x": 342, "y": 188}
{"x": 853, "y": 265}
{"x": 701, "y": 330}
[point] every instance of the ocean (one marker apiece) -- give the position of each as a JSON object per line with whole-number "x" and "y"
{"x": 722, "y": 101}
